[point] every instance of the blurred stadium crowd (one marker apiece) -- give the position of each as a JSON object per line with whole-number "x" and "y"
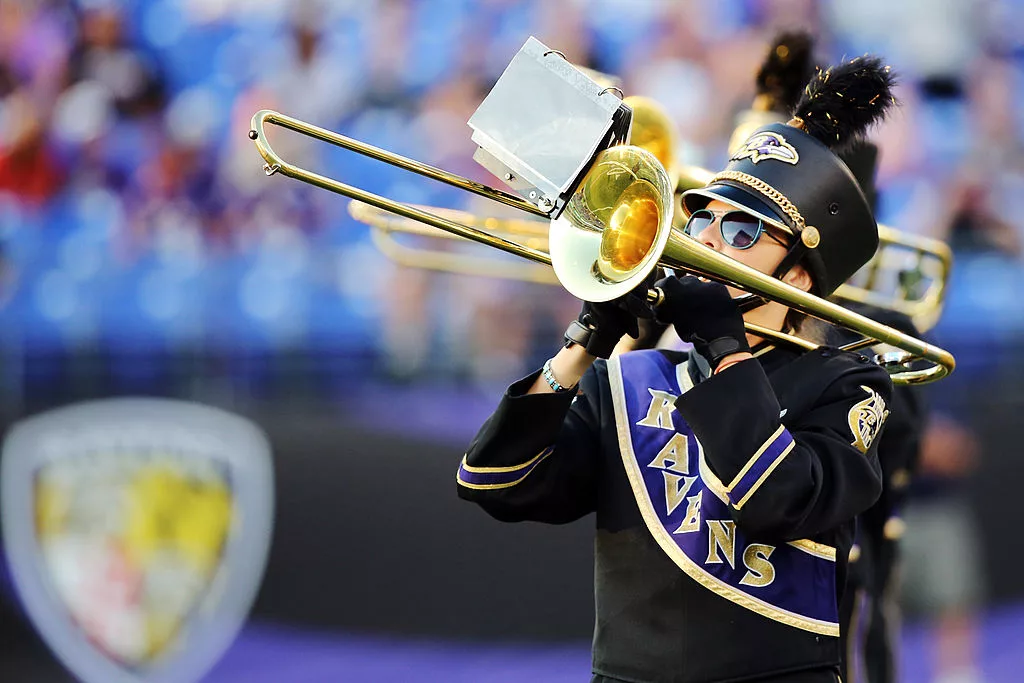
{"x": 137, "y": 227}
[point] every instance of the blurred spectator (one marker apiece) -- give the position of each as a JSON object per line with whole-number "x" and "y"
{"x": 978, "y": 225}
{"x": 28, "y": 167}
{"x": 103, "y": 54}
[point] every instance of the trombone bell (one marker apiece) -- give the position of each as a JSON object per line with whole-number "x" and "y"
{"x": 630, "y": 234}
{"x": 616, "y": 223}
{"x": 655, "y": 131}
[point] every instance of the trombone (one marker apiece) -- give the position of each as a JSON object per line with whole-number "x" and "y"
{"x": 614, "y": 230}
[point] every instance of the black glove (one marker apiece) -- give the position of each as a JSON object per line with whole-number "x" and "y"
{"x": 600, "y": 326}
{"x": 703, "y": 314}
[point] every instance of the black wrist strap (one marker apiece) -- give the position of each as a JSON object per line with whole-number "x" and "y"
{"x": 717, "y": 349}
{"x": 748, "y": 302}
{"x": 589, "y": 338}
{"x": 578, "y": 333}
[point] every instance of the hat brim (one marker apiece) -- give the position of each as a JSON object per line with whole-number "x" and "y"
{"x": 742, "y": 199}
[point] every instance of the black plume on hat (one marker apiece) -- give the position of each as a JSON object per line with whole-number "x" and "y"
{"x": 786, "y": 69}
{"x": 781, "y": 83}
{"x": 842, "y": 102}
{"x": 792, "y": 175}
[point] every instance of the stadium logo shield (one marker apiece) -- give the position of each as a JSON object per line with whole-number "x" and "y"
{"x": 136, "y": 531}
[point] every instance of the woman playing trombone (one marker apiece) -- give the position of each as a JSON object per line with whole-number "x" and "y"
{"x": 725, "y": 480}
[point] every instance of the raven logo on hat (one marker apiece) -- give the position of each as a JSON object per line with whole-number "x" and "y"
{"x": 766, "y": 145}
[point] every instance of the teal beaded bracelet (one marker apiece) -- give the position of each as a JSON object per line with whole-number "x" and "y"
{"x": 549, "y": 377}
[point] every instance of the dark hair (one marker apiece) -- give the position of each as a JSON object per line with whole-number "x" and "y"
{"x": 807, "y": 327}
{"x": 794, "y": 320}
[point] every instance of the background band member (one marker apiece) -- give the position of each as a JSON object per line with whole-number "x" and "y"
{"x": 725, "y": 481}
{"x": 869, "y": 612}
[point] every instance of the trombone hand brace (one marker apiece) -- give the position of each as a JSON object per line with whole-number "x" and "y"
{"x": 705, "y": 315}
{"x": 600, "y": 326}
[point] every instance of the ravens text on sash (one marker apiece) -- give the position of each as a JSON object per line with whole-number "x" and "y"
{"x": 681, "y": 475}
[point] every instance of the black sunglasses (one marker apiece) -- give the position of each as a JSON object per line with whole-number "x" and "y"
{"x": 740, "y": 230}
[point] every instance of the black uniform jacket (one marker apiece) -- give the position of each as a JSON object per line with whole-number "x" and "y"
{"x": 554, "y": 458}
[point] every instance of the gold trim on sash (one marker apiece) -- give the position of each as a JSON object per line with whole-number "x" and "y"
{"x": 662, "y": 537}
{"x": 707, "y": 476}
{"x": 711, "y": 481}
{"x": 683, "y": 378}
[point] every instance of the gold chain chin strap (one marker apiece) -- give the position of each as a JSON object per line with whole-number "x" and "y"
{"x": 767, "y": 190}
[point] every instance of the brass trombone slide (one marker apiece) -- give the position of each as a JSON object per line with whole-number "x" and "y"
{"x": 690, "y": 255}
{"x": 883, "y": 282}
{"x": 599, "y": 249}
{"x": 275, "y": 164}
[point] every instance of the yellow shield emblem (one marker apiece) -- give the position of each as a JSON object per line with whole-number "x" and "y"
{"x": 137, "y": 531}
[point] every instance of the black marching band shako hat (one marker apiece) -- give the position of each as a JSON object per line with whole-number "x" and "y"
{"x": 791, "y": 174}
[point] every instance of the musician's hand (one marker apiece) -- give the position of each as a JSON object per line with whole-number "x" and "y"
{"x": 703, "y": 314}
{"x": 611, "y": 320}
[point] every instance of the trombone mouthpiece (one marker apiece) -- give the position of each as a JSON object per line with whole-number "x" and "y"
{"x": 253, "y": 134}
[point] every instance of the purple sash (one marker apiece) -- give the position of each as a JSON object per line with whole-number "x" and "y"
{"x": 685, "y": 506}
